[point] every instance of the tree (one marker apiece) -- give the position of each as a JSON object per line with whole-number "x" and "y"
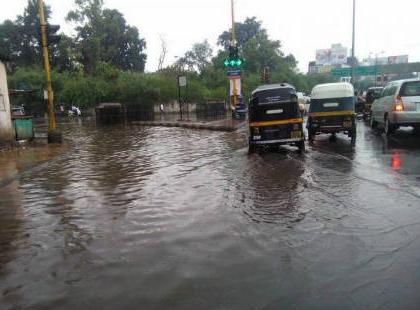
{"x": 257, "y": 49}
{"x": 20, "y": 40}
{"x": 163, "y": 53}
{"x": 250, "y": 28}
{"x": 198, "y": 58}
{"x": 103, "y": 35}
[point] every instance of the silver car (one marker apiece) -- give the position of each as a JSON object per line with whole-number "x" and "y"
{"x": 398, "y": 105}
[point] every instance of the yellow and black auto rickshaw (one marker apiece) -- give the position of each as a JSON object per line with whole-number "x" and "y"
{"x": 332, "y": 110}
{"x": 274, "y": 117}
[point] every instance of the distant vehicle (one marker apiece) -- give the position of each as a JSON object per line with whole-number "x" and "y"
{"x": 372, "y": 94}
{"x": 307, "y": 104}
{"x": 332, "y": 110}
{"x": 74, "y": 111}
{"x": 360, "y": 103}
{"x": 399, "y": 105}
{"x": 301, "y": 101}
{"x": 274, "y": 117}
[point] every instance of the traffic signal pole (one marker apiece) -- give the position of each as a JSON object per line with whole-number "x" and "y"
{"x": 53, "y": 135}
{"x": 235, "y": 90}
{"x": 353, "y": 54}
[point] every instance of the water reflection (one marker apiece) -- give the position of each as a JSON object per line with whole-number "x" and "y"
{"x": 11, "y": 218}
{"x": 269, "y": 189}
{"x": 395, "y": 161}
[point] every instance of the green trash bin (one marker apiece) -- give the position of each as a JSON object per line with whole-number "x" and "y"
{"x": 24, "y": 128}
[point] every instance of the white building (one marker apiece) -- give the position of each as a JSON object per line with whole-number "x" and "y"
{"x": 6, "y": 128}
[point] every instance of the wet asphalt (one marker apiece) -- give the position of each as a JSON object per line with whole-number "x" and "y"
{"x": 130, "y": 217}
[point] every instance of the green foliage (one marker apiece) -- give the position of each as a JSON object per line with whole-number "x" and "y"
{"x": 104, "y": 36}
{"x": 198, "y": 58}
{"x": 104, "y": 62}
{"x": 19, "y": 39}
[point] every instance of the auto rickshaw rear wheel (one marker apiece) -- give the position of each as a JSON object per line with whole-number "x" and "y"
{"x": 301, "y": 146}
{"x": 353, "y": 136}
{"x": 311, "y": 135}
{"x": 252, "y": 148}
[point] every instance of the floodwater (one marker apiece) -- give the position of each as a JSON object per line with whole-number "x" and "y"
{"x": 129, "y": 217}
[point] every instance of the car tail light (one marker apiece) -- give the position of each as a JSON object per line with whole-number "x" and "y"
{"x": 399, "y": 105}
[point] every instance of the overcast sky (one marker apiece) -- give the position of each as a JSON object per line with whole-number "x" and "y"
{"x": 302, "y": 25}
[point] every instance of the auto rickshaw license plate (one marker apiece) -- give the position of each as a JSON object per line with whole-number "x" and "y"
{"x": 296, "y": 135}
{"x": 347, "y": 124}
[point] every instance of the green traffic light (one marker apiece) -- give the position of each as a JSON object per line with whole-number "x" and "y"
{"x": 239, "y": 62}
{"x": 232, "y": 63}
{"x": 226, "y": 62}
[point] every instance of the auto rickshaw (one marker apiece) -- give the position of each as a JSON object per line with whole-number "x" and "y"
{"x": 274, "y": 118}
{"x": 332, "y": 111}
{"x": 372, "y": 94}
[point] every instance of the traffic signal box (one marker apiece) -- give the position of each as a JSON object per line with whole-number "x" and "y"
{"x": 234, "y": 60}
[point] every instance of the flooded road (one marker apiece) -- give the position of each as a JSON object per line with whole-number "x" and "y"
{"x": 169, "y": 218}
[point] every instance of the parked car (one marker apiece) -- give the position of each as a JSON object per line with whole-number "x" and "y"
{"x": 398, "y": 105}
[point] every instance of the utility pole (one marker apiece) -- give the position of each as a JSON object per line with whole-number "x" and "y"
{"x": 54, "y": 136}
{"x": 353, "y": 60}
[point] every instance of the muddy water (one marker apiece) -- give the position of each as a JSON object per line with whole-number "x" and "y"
{"x": 168, "y": 218}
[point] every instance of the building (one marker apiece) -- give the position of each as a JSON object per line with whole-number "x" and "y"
{"x": 6, "y": 129}
{"x": 382, "y": 61}
{"x": 327, "y": 59}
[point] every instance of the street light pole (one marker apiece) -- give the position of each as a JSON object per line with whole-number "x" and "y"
{"x": 353, "y": 44}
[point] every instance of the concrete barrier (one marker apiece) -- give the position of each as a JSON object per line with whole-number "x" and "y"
{"x": 228, "y": 126}
{"x": 6, "y": 128}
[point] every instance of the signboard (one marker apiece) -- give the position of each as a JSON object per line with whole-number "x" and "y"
{"x": 341, "y": 72}
{"x": 235, "y": 84}
{"x": 325, "y": 69}
{"x": 366, "y": 70}
{"x": 234, "y": 73}
{"x": 46, "y": 94}
{"x": 182, "y": 81}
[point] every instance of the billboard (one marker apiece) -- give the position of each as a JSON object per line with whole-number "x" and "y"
{"x": 323, "y": 57}
{"x": 336, "y": 55}
{"x": 339, "y": 56}
{"x": 401, "y": 59}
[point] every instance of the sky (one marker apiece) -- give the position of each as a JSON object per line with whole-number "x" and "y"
{"x": 301, "y": 25}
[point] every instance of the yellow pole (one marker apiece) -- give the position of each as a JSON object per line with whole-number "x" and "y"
{"x": 233, "y": 22}
{"x": 52, "y": 125}
{"x": 233, "y": 44}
